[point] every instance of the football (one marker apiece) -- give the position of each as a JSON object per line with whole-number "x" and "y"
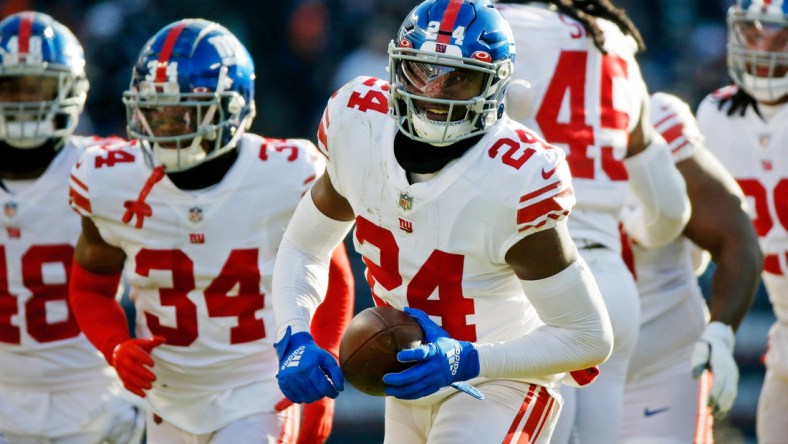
{"x": 370, "y": 345}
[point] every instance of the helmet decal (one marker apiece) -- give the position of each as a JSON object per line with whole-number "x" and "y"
{"x": 163, "y": 63}
{"x": 23, "y": 42}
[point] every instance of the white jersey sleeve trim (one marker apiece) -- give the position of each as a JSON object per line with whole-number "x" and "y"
{"x": 577, "y": 333}
{"x": 300, "y": 277}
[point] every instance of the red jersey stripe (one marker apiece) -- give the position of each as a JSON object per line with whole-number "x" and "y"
{"x": 673, "y": 133}
{"x": 535, "y": 211}
{"x": 166, "y": 52}
{"x": 79, "y": 182}
{"x": 540, "y": 191}
{"x": 665, "y": 119}
{"x": 545, "y": 417}
{"x": 520, "y": 413}
{"x": 449, "y": 18}
{"x": 529, "y": 430}
{"x": 79, "y": 200}
{"x": 680, "y": 146}
{"x": 321, "y": 131}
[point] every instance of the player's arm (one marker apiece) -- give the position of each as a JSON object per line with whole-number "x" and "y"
{"x": 95, "y": 276}
{"x": 657, "y": 183}
{"x": 561, "y": 288}
{"x": 300, "y": 282}
{"x": 720, "y": 226}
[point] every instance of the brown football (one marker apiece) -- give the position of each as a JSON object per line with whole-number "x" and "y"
{"x": 370, "y": 345}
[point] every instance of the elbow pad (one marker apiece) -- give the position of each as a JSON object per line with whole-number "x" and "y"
{"x": 300, "y": 276}
{"x": 662, "y": 191}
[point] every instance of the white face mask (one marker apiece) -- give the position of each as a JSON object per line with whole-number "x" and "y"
{"x": 178, "y": 159}
{"x": 26, "y": 135}
{"x": 765, "y": 89}
{"x": 449, "y": 132}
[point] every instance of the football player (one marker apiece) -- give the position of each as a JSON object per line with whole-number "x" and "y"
{"x": 54, "y": 385}
{"x": 746, "y": 126}
{"x": 192, "y": 211}
{"x": 668, "y": 397}
{"x": 460, "y": 216}
{"x": 588, "y": 97}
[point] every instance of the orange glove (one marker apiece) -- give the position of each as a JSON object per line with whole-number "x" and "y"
{"x": 317, "y": 420}
{"x": 131, "y": 359}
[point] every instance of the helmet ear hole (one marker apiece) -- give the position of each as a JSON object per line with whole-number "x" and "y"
{"x": 236, "y": 105}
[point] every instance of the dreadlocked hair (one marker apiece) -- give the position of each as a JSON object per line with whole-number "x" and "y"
{"x": 739, "y": 102}
{"x": 587, "y": 11}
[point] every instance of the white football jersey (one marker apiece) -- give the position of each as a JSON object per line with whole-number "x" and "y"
{"x": 439, "y": 245}
{"x": 576, "y": 91}
{"x": 755, "y": 151}
{"x": 41, "y": 344}
{"x": 199, "y": 263}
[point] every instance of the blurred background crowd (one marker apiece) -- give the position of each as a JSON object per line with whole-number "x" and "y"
{"x": 305, "y": 49}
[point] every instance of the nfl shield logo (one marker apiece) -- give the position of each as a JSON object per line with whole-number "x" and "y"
{"x": 405, "y": 201}
{"x": 9, "y": 209}
{"x": 195, "y": 214}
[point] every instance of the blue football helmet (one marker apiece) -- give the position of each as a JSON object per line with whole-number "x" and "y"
{"x": 450, "y": 66}
{"x": 191, "y": 95}
{"x": 34, "y": 45}
{"x": 758, "y": 47}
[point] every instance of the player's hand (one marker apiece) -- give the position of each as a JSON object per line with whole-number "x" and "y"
{"x": 317, "y": 419}
{"x": 306, "y": 371}
{"x": 714, "y": 351}
{"x": 131, "y": 360}
{"x": 441, "y": 361}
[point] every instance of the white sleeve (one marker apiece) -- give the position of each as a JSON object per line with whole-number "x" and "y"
{"x": 300, "y": 276}
{"x": 661, "y": 190}
{"x": 577, "y": 333}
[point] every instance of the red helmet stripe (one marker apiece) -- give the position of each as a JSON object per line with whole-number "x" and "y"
{"x": 449, "y": 18}
{"x": 25, "y": 29}
{"x": 166, "y": 52}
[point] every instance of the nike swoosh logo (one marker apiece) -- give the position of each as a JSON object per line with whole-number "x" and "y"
{"x": 548, "y": 174}
{"x": 647, "y": 412}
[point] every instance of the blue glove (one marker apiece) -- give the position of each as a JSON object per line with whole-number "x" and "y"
{"x": 440, "y": 362}
{"x": 306, "y": 372}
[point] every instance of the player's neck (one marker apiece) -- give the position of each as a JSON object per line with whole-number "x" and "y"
{"x": 206, "y": 174}
{"x": 25, "y": 164}
{"x": 423, "y": 158}
{"x": 767, "y": 111}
